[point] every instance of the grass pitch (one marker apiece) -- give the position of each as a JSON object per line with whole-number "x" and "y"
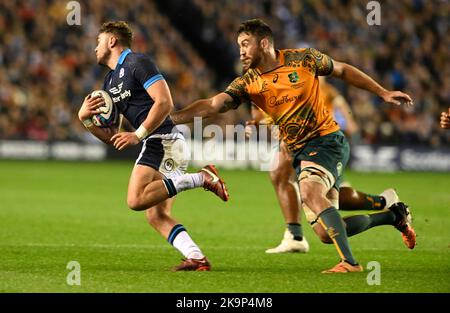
{"x": 52, "y": 213}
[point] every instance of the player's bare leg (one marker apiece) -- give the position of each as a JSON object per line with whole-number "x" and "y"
{"x": 286, "y": 194}
{"x": 289, "y": 201}
{"x": 146, "y": 191}
{"x": 145, "y": 188}
{"x": 159, "y": 217}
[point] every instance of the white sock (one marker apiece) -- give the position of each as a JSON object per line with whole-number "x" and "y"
{"x": 184, "y": 243}
{"x": 187, "y": 181}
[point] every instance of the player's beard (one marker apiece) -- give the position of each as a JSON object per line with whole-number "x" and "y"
{"x": 253, "y": 63}
{"x": 105, "y": 58}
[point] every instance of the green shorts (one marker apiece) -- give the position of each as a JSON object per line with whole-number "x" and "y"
{"x": 331, "y": 151}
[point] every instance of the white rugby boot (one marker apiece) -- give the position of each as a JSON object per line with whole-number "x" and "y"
{"x": 390, "y": 196}
{"x": 288, "y": 244}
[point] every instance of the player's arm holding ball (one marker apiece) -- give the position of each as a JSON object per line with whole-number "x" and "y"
{"x": 162, "y": 106}
{"x": 90, "y": 107}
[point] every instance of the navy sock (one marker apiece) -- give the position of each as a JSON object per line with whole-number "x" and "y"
{"x": 296, "y": 230}
{"x": 171, "y": 190}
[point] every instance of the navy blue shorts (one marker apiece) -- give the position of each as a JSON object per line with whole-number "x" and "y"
{"x": 166, "y": 153}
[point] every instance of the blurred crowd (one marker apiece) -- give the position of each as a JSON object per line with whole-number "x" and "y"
{"x": 408, "y": 51}
{"x": 47, "y": 67}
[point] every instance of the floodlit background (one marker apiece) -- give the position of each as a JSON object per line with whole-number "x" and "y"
{"x": 53, "y": 212}
{"x": 48, "y": 66}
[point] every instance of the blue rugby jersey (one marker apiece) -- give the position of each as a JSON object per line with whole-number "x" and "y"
{"x": 127, "y": 85}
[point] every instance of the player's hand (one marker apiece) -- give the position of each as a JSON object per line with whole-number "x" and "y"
{"x": 445, "y": 119}
{"x": 90, "y": 107}
{"x": 250, "y": 127}
{"x": 124, "y": 139}
{"x": 397, "y": 97}
{"x": 275, "y": 132}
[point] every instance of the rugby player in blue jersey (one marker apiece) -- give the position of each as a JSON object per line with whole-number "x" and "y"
{"x": 142, "y": 96}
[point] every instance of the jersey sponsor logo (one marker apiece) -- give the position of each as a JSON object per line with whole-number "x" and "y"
{"x": 116, "y": 90}
{"x": 122, "y": 72}
{"x": 293, "y": 77}
{"x": 122, "y": 96}
{"x": 118, "y": 94}
{"x": 274, "y": 101}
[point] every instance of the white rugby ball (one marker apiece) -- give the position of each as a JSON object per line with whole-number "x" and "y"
{"x": 109, "y": 113}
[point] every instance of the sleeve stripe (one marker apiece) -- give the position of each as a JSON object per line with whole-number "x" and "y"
{"x": 153, "y": 80}
{"x": 236, "y": 99}
{"x": 330, "y": 66}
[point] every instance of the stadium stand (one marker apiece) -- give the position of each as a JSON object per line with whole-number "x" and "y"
{"x": 47, "y": 70}
{"x": 408, "y": 51}
{"x": 47, "y": 66}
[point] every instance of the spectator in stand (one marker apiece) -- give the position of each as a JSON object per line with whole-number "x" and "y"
{"x": 407, "y": 51}
{"x": 45, "y": 70}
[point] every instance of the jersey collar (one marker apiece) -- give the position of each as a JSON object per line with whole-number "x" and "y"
{"x": 123, "y": 55}
{"x": 280, "y": 58}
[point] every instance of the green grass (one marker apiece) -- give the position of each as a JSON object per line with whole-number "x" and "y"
{"x": 55, "y": 212}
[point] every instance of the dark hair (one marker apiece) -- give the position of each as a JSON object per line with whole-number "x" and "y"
{"x": 257, "y": 28}
{"x": 121, "y": 30}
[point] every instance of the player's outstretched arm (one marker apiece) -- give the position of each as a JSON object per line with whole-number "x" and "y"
{"x": 359, "y": 79}
{"x": 220, "y": 103}
{"x": 89, "y": 108}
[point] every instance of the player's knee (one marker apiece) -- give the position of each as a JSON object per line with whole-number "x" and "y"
{"x": 308, "y": 193}
{"x": 312, "y": 184}
{"x": 134, "y": 203}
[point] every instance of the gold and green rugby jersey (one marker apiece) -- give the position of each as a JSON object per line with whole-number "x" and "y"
{"x": 290, "y": 95}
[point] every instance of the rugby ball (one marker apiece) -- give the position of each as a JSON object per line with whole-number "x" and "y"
{"x": 109, "y": 114}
